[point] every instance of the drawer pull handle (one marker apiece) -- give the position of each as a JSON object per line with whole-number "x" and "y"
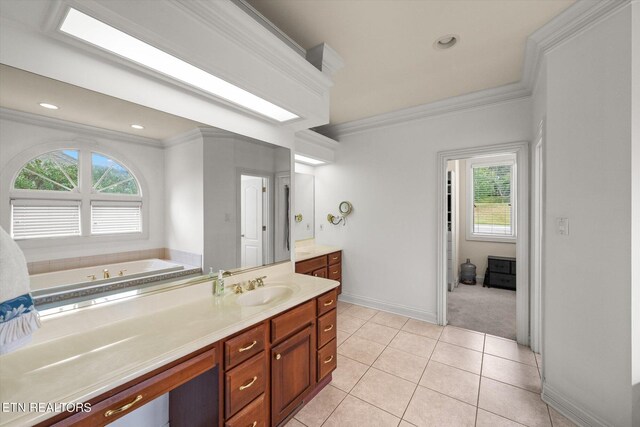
{"x": 328, "y": 328}
{"x": 335, "y": 258}
{"x": 249, "y": 347}
{"x": 123, "y": 408}
{"x": 278, "y": 356}
{"x": 328, "y": 359}
{"x": 316, "y": 275}
{"x": 335, "y": 272}
{"x": 249, "y": 384}
{"x": 255, "y": 423}
{"x": 327, "y": 304}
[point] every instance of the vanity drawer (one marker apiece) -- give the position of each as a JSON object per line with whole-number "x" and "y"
{"x": 293, "y": 321}
{"x": 244, "y": 383}
{"x": 327, "y": 302}
{"x": 327, "y": 328}
{"x": 335, "y": 272}
{"x": 252, "y": 415}
{"x": 244, "y": 346}
{"x": 311, "y": 264}
{"x": 327, "y": 359}
{"x": 132, "y": 398}
{"x": 334, "y": 258}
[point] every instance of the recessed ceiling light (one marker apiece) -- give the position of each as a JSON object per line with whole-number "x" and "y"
{"x": 99, "y": 34}
{"x": 49, "y": 106}
{"x": 137, "y": 127}
{"x": 308, "y": 160}
{"x": 446, "y": 42}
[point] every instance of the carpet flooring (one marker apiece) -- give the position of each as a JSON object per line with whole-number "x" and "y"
{"x": 488, "y": 310}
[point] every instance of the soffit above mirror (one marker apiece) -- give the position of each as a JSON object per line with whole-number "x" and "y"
{"x": 24, "y": 91}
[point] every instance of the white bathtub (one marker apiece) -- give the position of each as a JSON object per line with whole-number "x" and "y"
{"x": 83, "y": 277}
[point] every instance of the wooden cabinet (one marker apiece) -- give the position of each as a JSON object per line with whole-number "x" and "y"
{"x": 327, "y": 266}
{"x": 326, "y": 356}
{"x": 244, "y": 346}
{"x": 257, "y": 377}
{"x": 292, "y": 373}
{"x": 125, "y": 399}
{"x": 244, "y": 383}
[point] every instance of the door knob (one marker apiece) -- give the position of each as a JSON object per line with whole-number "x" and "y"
{"x": 278, "y": 356}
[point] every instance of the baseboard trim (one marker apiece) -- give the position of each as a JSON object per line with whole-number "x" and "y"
{"x": 391, "y": 308}
{"x": 569, "y": 409}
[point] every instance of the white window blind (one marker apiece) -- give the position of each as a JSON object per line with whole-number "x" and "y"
{"x": 492, "y": 200}
{"x": 116, "y": 217}
{"x": 31, "y": 219}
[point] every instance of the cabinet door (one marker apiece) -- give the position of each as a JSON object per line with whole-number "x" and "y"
{"x": 292, "y": 373}
{"x": 321, "y": 272}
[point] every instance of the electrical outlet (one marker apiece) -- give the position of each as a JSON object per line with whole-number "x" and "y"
{"x": 562, "y": 226}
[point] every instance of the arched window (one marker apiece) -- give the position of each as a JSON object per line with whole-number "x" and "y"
{"x": 74, "y": 192}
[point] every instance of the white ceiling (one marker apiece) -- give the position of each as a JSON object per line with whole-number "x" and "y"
{"x": 24, "y": 91}
{"x": 387, "y": 46}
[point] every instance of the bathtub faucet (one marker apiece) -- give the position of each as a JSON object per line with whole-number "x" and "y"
{"x": 105, "y": 274}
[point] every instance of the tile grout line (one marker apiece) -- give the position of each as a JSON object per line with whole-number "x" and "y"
{"x": 429, "y": 358}
{"x": 484, "y": 343}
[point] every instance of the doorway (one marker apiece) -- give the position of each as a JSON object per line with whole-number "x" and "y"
{"x": 489, "y": 215}
{"x": 254, "y": 208}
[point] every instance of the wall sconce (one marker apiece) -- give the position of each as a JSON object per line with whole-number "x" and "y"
{"x": 345, "y": 209}
{"x": 298, "y": 218}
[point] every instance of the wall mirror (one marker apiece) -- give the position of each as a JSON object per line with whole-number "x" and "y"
{"x": 105, "y": 196}
{"x": 304, "y": 204}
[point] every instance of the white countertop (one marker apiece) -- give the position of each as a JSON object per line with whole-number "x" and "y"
{"x": 78, "y": 355}
{"x": 311, "y": 251}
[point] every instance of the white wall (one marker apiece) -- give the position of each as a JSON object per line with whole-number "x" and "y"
{"x": 184, "y": 207}
{"x": 635, "y": 220}
{"x": 587, "y": 290}
{"x": 22, "y": 140}
{"x": 390, "y": 176}
{"x": 477, "y": 251}
{"x": 304, "y": 202}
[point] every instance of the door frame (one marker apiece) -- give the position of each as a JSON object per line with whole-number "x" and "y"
{"x": 537, "y": 236}
{"x": 521, "y": 151}
{"x": 267, "y": 213}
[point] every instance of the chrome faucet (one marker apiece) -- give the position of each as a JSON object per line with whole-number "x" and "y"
{"x": 105, "y": 274}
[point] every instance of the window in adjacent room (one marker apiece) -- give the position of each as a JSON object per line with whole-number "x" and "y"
{"x": 491, "y": 213}
{"x": 70, "y": 192}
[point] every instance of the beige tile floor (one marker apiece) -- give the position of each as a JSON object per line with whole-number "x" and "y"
{"x": 396, "y": 371}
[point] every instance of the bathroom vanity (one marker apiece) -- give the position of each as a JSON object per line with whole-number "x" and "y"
{"x": 223, "y": 360}
{"x": 320, "y": 261}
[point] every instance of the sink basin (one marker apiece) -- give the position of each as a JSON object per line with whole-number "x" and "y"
{"x": 263, "y": 296}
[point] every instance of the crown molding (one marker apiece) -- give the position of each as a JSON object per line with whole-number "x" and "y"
{"x": 270, "y": 26}
{"x": 577, "y": 18}
{"x": 183, "y": 138}
{"x": 228, "y": 19}
{"x": 325, "y": 59}
{"x": 455, "y": 104}
{"x": 86, "y": 130}
{"x": 310, "y": 137}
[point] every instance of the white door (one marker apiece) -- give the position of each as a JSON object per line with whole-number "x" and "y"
{"x": 251, "y": 226}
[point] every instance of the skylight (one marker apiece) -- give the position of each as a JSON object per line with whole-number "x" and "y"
{"x": 99, "y": 34}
